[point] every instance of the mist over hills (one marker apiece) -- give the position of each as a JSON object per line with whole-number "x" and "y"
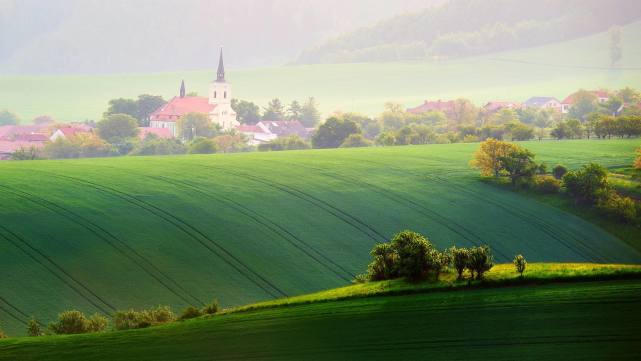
{"x": 95, "y": 36}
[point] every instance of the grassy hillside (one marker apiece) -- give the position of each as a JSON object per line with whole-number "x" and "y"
{"x": 105, "y": 234}
{"x": 554, "y": 70}
{"x": 476, "y": 324}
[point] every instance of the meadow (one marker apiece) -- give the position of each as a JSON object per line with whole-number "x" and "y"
{"x": 106, "y": 234}
{"x": 547, "y": 321}
{"x": 553, "y": 70}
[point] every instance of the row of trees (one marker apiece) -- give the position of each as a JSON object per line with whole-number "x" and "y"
{"x": 249, "y": 113}
{"x": 588, "y": 185}
{"x": 599, "y": 125}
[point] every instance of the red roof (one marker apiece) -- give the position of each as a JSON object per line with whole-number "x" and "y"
{"x": 498, "y": 105}
{"x": 244, "y": 128}
{"x": 162, "y": 133}
{"x": 598, "y": 93}
{"x": 9, "y": 132}
{"x": 30, "y": 138}
{"x": 284, "y": 128}
{"x": 439, "y": 105}
{"x": 177, "y": 106}
{"x": 74, "y": 130}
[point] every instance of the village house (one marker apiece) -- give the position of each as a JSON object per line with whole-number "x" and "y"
{"x": 16, "y": 137}
{"x": 70, "y": 131}
{"x": 495, "y": 106}
{"x": 567, "y": 103}
{"x": 543, "y": 103}
{"x": 447, "y": 107}
{"x": 217, "y": 105}
{"x": 266, "y": 131}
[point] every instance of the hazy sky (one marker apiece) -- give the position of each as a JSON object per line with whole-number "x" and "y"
{"x": 99, "y": 36}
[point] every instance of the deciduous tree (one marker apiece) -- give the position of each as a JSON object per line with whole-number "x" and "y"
{"x": 488, "y": 157}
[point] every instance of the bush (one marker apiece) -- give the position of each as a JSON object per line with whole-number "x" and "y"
{"x": 637, "y": 161}
{"x": 384, "y": 265}
{"x": 97, "y": 323}
{"x": 559, "y": 171}
{"x": 130, "y": 319}
{"x": 211, "y": 308}
{"x": 2, "y": 334}
{"x": 33, "y": 328}
{"x": 70, "y": 322}
{"x": 622, "y": 208}
{"x": 190, "y": 312}
{"x": 202, "y": 146}
{"x": 157, "y": 146}
{"x": 355, "y": 141}
{"x": 588, "y": 183}
{"x": 460, "y": 259}
{"x": 546, "y": 184}
{"x": 481, "y": 260}
{"x": 416, "y": 256}
{"x": 520, "y": 263}
{"x": 293, "y": 142}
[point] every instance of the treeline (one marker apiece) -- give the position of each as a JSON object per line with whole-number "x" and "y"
{"x": 588, "y": 186}
{"x": 470, "y": 27}
{"x": 249, "y": 113}
{"x": 76, "y": 322}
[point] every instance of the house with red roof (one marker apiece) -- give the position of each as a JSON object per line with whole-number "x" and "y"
{"x": 447, "y": 107}
{"x": 267, "y": 130}
{"x": 70, "y": 131}
{"x": 217, "y": 105}
{"x": 495, "y": 106}
{"x": 601, "y": 95}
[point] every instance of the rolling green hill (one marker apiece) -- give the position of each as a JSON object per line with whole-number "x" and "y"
{"x": 393, "y": 320}
{"x": 106, "y": 234}
{"x": 555, "y": 70}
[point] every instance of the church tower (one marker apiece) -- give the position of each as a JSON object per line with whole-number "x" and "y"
{"x": 220, "y": 97}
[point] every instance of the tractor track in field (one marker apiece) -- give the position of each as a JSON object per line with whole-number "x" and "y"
{"x": 11, "y": 313}
{"x": 108, "y": 310}
{"x": 194, "y": 233}
{"x": 398, "y": 198}
{"x": 139, "y": 260}
{"x": 278, "y": 229}
{"x": 356, "y": 223}
{"x": 588, "y": 253}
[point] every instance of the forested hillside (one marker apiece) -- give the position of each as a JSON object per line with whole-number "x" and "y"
{"x": 472, "y": 27}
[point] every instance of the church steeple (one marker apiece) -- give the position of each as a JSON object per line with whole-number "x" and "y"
{"x": 220, "y": 74}
{"x": 182, "y": 89}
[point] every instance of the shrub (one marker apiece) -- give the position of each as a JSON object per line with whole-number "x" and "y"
{"x": 481, "y": 261}
{"x": 33, "y": 328}
{"x": 131, "y": 319}
{"x": 211, "y": 308}
{"x": 293, "y": 142}
{"x": 637, "y": 161}
{"x": 546, "y": 184}
{"x": 520, "y": 263}
{"x": 2, "y": 334}
{"x": 355, "y": 141}
{"x": 459, "y": 258}
{"x": 97, "y": 323}
{"x": 588, "y": 183}
{"x": 70, "y": 322}
{"x": 623, "y": 208}
{"x": 190, "y": 312}
{"x": 202, "y": 146}
{"x": 559, "y": 171}
{"x": 416, "y": 259}
{"x": 384, "y": 265}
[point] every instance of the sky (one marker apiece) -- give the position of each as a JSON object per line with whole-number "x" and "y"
{"x": 119, "y": 36}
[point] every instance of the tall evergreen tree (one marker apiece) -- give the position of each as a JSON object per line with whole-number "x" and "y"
{"x": 310, "y": 116}
{"x": 274, "y": 110}
{"x": 294, "y": 111}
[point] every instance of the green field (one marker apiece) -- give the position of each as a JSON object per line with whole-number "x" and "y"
{"x": 552, "y": 70}
{"x": 106, "y": 234}
{"x": 588, "y": 321}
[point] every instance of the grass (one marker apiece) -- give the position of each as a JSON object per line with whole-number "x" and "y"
{"x": 245, "y": 228}
{"x": 367, "y": 323}
{"x": 552, "y": 70}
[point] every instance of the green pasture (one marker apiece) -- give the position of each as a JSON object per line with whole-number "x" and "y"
{"x": 587, "y": 321}
{"x": 552, "y": 70}
{"x": 107, "y": 234}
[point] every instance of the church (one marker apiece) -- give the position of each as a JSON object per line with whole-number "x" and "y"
{"x": 217, "y": 105}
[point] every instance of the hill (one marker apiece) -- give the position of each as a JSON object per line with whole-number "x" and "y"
{"x": 477, "y": 324}
{"x": 470, "y": 27}
{"x": 515, "y": 75}
{"x": 106, "y": 234}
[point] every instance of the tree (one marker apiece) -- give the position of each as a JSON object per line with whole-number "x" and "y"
{"x": 616, "y": 47}
{"x": 42, "y": 119}
{"x": 504, "y": 116}
{"x": 637, "y": 162}
{"x": 488, "y": 157}
{"x": 274, "y": 111}
{"x": 520, "y": 263}
{"x": 70, "y": 322}
{"x": 202, "y": 146}
{"x": 26, "y": 153}
{"x": 355, "y": 141}
{"x": 393, "y": 117}
{"x": 629, "y": 95}
{"x": 192, "y": 125}
{"x": 211, "y": 308}
{"x": 122, "y": 106}
{"x": 460, "y": 260}
{"x": 145, "y": 105}
{"x": 559, "y": 171}
{"x": 310, "y": 115}
{"x": 284, "y": 143}
{"x": 584, "y": 103}
{"x": 519, "y": 164}
{"x": 8, "y": 118}
{"x": 294, "y": 111}
{"x": 589, "y": 183}
{"x": 464, "y": 112}
{"x": 33, "y": 328}
{"x": 384, "y": 263}
{"x": 606, "y": 126}
{"x": 230, "y": 143}
{"x": 481, "y": 260}
{"x": 519, "y": 131}
{"x": 117, "y": 128}
{"x": 153, "y": 145}
{"x": 415, "y": 255}
{"x": 246, "y": 112}
{"x": 333, "y": 132}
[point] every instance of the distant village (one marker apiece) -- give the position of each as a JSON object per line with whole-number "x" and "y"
{"x": 175, "y": 126}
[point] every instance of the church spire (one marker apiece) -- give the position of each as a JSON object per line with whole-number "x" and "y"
{"x": 220, "y": 74}
{"x": 182, "y": 89}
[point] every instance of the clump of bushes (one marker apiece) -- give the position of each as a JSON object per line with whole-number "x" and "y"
{"x": 559, "y": 171}
{"x": 131, "y": 319}
{"x": 620, "y": 207}
{"x": 480, "y": 261}
{"x": 211, "y": 308}
{"x": 74, "y": 322}
{"x": 546, "y": 184}
{"x": 33, "y": 328}
{"x": 190, "y": 312}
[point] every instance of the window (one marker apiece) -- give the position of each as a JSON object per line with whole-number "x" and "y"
{"x": 215, "y": 95}
{"x": 225, "y": 95}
